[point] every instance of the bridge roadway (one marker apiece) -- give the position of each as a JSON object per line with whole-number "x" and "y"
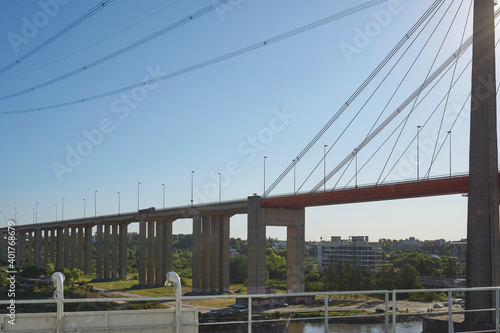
{"x": 70, "y": 243}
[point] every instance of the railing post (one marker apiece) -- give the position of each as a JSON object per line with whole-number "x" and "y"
{"x": 250, "y": 314}
{"x": 58, "y": 279}
{"x": 387, "y": 312}
{"x": 450, "y": 313}
{"x": 326, "y": 312}
{"x": 497, "y": 311}
{"x": 394, "y": 311}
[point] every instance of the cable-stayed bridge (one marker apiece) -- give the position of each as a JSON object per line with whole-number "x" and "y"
{"x": 69, "y": 243}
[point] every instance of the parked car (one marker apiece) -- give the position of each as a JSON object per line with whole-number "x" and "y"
{"x": 437, "y": 306}
{"x": 239, "y": 306}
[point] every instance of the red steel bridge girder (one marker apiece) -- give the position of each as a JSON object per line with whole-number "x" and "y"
{"x": 393, "y": 191}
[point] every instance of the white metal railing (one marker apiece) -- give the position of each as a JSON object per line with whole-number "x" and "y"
{"x": 390, "y": 313}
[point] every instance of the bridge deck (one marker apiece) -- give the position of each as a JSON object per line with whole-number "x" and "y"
{"x": 402, "y": 190}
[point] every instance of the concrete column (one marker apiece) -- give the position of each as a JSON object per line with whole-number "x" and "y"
{"x": 167, "y": 248}
{"x": 21, "y": 238}
{"x": 483, "y": 230}
{"x": 3, "y": 252}
{"x": 98, "y": 256}
{"x": 197, "y": 253}
{"x": 66, "y": 247}
{"x": 60, "y": 248}
{"x": 159, "y": 277}
{"x": 123, "y": 251}
{"x": 224, "y": 254}
{"x": 114, "y": 252}
{"x": 27, "y": 249}
{"x": 214, "y": 254}
{"x": 256, "y": 282}
{"x": 106, "y": 250}
{"x": 151, "y": 254}
{"x": 38, "y": 248}
{"x": 81, "y": 249}
{"x": 296, "y": 244}
{"x": 45, "y": 259}
{"x": 87, "y": 267}
{"x": 205, "y": 254}
{"x": 73, "y": 249}
{"x": 142, "y": 253}
{"x": 52, "y": 247}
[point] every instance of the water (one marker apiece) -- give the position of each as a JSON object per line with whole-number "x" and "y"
{"x": 354, "y": 328}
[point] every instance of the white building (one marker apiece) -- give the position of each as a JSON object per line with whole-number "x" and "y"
{"x": 356, "y": 249}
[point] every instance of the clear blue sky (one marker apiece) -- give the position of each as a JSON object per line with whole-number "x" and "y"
{"x": 221, "y": 118}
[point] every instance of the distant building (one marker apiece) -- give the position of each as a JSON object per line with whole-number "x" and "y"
{"x": 357, "y": 249}
{"x": 403, "y": 245}
{"x": 280, "y": 246}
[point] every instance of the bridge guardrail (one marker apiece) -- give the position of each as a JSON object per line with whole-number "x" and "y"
{"x": 389, "y": 314}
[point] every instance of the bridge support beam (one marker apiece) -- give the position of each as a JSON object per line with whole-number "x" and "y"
{"x": 123, "y": 252}
{"x": 258, "y": 219}
{"x": 196, "y": 268}
{"x": 98, "y": 257}
{"x": 88, "y": 250}
{"x": 483, "y": 231}
{"x": 142, "y": 253}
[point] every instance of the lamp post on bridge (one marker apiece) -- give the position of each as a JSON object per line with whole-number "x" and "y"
{"x": 83, "y": 207}
{"x": 192, "y": 187}
{"x": 265, "y": 157}
{"x": 118, "y": 203}
{"x": 219, "y": 188}
{"x": 56, "y": 212}
{"x": 324, "y": 167}
{"x": 418, "y": 152}
{"x": 138, "y": 189}
{"x": 36, "y": 212}
{"x": 294, "y": 174}
{"x": 356, "y": 167}
{"x": 163, "y": 185}
{"x": 33, "y": 215}
{"x": 62, "y": 209}
{"x": 95, "y": 203}
{"x": 449, "y": 133}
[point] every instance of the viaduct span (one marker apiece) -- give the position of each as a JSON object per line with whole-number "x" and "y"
{"x": 69, "y": 243}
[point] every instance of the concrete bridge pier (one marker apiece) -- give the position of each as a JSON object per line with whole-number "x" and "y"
{"x": 258, "y": 219}
{"x": 3, "y": 246}
{"x": 155, "y": 251}
{"x": 211, "y": 253}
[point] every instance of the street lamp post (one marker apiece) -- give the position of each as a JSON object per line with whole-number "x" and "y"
{"x": 36, "y": 212}
{"x": 56, "y": 212}
{"x": 449, "y": 133}
{"x": 356, "y": 167}
{"x": 95, "y": 203}
{"x": 62, "y": 209}
{"x": 118, "y": 203}
{"x": 418, "y": 152}
{"x": 83, "y": 207}
{"x": 219, "y": 187}
{"x": 192, "y": 187}
{"x": 138, "y": 184}
{"x": 33, "y": 215}
{"x": 163, "y": 185}
{"x": 265, "y": 157}
{"x": 324, "y": 168}
{"x": 294, "y": 174}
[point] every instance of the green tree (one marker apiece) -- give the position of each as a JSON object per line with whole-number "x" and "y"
{"x": 238, "y": 266}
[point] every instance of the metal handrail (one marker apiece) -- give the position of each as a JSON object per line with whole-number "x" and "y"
{"x": 390, "y": 298}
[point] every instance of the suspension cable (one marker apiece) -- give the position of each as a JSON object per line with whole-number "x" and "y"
{"x": 227, "y": 56}
{"x": 356, "y": 94}
{"x": 59, "y": 34}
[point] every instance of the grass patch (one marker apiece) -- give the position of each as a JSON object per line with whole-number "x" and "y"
{"x": 216, "y": 303}
{"x": 114, "y": 285}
